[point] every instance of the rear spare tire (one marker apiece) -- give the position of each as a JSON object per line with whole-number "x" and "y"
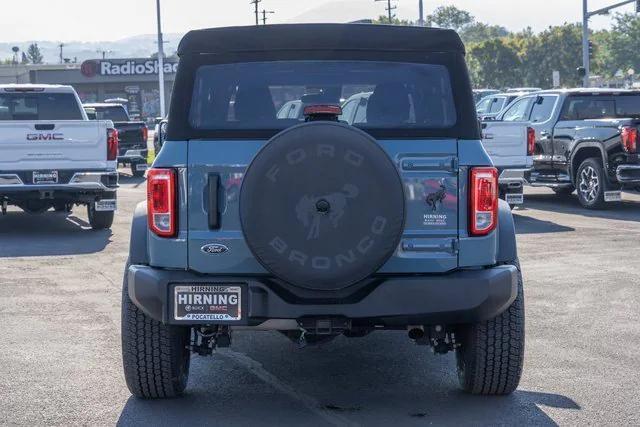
{"x": 322, "y": 206}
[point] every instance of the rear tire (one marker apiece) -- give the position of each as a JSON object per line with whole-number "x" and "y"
{"x": 155, "y": 357}
{"x": 491, "y": 354}
{"x": 136, "y": 173}
{"x": 99, "y": 220}
{"x": 591, "y": 184}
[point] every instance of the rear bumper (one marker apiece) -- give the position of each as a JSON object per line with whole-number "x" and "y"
{"x": 86, "y": 181}
{"x": 628, "y": 174}
{"x": 458, "y": 297}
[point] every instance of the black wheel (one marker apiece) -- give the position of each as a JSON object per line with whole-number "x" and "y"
{"x": 99, "y": 220}
{"x": 591, "y": 184}
{"x": 491, "y": 353}
{"x": 135, "y": 172}
{"x": 155, "y": 356}
{"x": 564, "y": 191}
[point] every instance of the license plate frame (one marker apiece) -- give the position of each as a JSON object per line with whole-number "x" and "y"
{"x": 612, "y": 196}
{"x": 514, "y": 198}
{"x": 106, "y": 205}
{"x": 44, "y": 177}
{"x": 219, "y": 306}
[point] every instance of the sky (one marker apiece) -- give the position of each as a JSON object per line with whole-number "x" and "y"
{"x": 106, "y": 20}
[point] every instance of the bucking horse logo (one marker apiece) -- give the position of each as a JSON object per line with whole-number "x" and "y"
{"x": 311, "y": 209}
{"x": 438, "y": 197}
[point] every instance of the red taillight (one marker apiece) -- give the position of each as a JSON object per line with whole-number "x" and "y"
{"x": 531, "y": 141}
{"x": 112, "y": 144}
{"x": 629, "y": 139}
{"x": 483, "y": 201}
{"x": 161, "y": 202}
{"x": 145, "y": 134}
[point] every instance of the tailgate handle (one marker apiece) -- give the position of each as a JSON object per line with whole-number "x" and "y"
{"x": 214, "y": 213}
{"x": 432, "y": 164}
{"x": 45, "y": 126}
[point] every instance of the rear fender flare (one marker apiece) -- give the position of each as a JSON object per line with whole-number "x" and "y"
{"x": 580, "y": 146}
{"x": 138, "y": 248}
{"x": 507, "y": 248}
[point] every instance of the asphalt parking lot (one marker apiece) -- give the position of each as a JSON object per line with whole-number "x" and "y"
{"x": 60, "y": 361}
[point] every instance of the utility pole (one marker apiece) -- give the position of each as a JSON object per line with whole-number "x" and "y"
{"x": 160, "y": 61}
{"x": 264, "y": 15}
{"x": 104, "y": 52}
{"x": 255, "y": 3}
{"x": 421, "y": 22}
{"x": 586, "y": 15}
{"x": 61, "y": 45}
{"x": 389, "y": 9}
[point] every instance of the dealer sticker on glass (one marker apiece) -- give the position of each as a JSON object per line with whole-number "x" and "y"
{"x": 207, "y": 302}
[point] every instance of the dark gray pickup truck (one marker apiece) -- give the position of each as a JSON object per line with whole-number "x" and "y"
{"x": 315, "y": 227}
{"x": 132, "y": 134}
{"x": 587, "y": 141}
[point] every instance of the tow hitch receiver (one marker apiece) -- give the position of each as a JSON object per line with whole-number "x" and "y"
{"x": 325, "y": 326}
{"x": 206, "y": 339}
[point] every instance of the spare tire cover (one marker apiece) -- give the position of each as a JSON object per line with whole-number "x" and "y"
{"x": 322, "y": 206}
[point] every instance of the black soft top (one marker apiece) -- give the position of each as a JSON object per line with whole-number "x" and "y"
{"x": 362, "y": 37}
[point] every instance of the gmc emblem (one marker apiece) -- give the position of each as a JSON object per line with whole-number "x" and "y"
{"x": 45, "y": 137}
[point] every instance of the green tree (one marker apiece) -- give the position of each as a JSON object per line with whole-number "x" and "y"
{"x": 479, "y": 32}
{"x": 555, "y": 49}
{"x": 34, "y": 54}
{"x": 383, "y": 19}
{"x": 450, "y": 17}
{"x": 618, "y": 49}
{"x": 495, "y": 63}
{"x": 25, "y": 59}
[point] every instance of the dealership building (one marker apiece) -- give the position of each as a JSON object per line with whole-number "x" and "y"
{"x": 132, "y": 79}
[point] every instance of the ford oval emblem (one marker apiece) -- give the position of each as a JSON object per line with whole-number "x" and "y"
{"x": 214, "y": 249}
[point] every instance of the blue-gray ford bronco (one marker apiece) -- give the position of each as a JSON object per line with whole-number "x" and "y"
{"x": 322, "y": 181}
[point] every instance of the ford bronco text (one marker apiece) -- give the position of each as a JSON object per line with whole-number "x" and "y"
{"x": 353, "y": 217}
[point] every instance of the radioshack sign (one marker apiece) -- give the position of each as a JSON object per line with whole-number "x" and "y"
{"x": 125, "y": 67}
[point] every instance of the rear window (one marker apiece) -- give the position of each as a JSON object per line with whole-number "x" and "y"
{"x": 115, "y": 114}
{"x": 271, "y": 95}
{"x": 601, "y": 107}
{"x": 39, "y": 106}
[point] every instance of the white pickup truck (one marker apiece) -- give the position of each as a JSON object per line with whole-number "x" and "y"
{"x": 52, "y": 156}
{"x": 510, "y": 141}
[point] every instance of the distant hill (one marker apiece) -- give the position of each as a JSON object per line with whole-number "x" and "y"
{"x": 141, "y": 46}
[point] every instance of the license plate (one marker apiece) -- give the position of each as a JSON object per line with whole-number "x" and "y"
{"x": 613, "y": 196}
{"x": 141, "y": 167}
{"x": 207, "y": 302}
{"x": 107, "y": 205}
{"x": 48, "y": 177}
{"x": 514, "y": 199}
